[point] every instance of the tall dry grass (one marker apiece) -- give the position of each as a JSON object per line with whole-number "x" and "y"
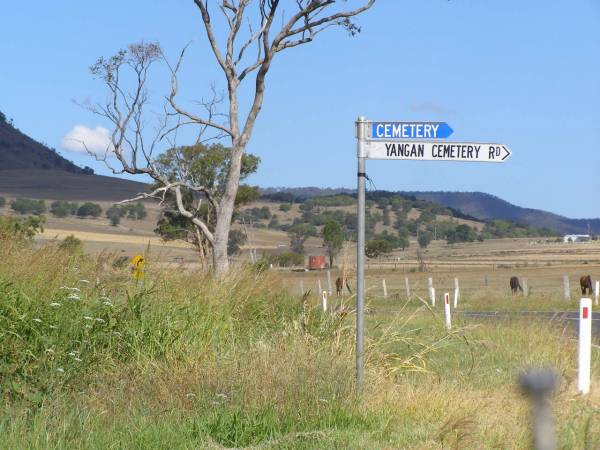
{"x": 186, "y": 361}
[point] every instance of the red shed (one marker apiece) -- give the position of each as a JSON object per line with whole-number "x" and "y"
{"x": 317, "y": 262}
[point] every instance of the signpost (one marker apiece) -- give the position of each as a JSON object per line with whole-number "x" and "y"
{"x": 404, "y": 141}
{"x": 437, "y": 151}
{"x": 410, "y": 130}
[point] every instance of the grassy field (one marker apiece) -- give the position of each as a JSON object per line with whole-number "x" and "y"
{"x": 91, "y": 359}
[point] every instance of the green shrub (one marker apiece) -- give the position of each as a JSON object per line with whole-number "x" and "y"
{"x": 89, "y": 209}
{"x": 13, "y": 229}
{"x": 378, "y": 247}
{"x": 28, "y": 206}
{"x": 71, "y": 244}
{"x": 2, "y": 202}
{"x": 61, "y": 208}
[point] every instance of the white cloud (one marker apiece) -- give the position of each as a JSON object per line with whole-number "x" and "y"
{"x": 80, "y": 137}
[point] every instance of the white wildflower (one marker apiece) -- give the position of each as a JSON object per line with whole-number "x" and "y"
{"x": 74, "y": 297}
{"x": 35, "y": 319}
{"x": 61, "y": 370}
{"x": 49, "y": 350}
{"x": 54, "y": 327}
{"x": 54, "y": 304}
{"x": 116, "y": 333}
{"x": 88, "y": 318}
{"x": 83, "y": 281}
{"x": 71, "y": 288}
{"x": 98, "y": 319}
{"x": 107, "y": 303}
{"x": 190, "y": 395}
{"x": 77, "y": 359}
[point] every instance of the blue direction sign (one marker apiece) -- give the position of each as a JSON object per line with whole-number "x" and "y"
{"x": 410, "y": 130}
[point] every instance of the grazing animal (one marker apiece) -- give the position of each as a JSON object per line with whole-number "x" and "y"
{"x": 515, "y": 286}
{"x": 586, "y": 284}
{"x": 339, "y": 286}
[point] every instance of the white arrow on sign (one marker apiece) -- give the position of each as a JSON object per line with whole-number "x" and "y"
{"x": 436, "y": 151}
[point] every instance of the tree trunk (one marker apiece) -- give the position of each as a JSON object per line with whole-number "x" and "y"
{"x": 226, "y": 207}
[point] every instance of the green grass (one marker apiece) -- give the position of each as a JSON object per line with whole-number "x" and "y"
{"x": 185, "y": 361}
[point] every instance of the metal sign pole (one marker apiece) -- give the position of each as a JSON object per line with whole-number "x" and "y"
{"x": 360, "y": 255}
{"x": 401, "y": 141}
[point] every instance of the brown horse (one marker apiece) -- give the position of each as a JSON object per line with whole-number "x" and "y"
{"x": 339, "y": 286}
{"x": 515, "y": 286}
{"x": 586, "y": 285}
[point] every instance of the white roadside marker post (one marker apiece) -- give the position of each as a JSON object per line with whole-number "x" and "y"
{"x": 324, "y": 300}
{"x": 585, "y": 345}
{"x": 432, "y": 296}
{"x": 456, "y": 292}
{"x": 447, "y": 311}
{"x": 566, "y": 289}
{"x": 407, "y": 288}
{"x": 596, "y": 293}
{"x": 525, "y": 287}
{"x": 384, "y": 289}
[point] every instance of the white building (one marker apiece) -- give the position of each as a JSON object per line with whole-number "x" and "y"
{"x": 577, "y": 238}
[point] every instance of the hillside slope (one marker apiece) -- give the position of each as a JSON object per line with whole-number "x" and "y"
{"x": 60, "y": 185}
{"x": 20, "y": 152}
{"x": 485, "y": 207}
{"x": 477, "y": 205}
{"x": 31, "y": 169}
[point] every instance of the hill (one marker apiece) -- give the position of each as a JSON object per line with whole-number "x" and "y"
{"x": 473, "y": 205}
{"x": 31, "y": 169}
{"x": 486, "y": 207}
{"x": 20, "y": 152}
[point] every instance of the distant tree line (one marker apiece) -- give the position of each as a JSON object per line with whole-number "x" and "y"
{"x": 62, "y": 208}
{"x": 402, "y": 217}
{"x": 132, "y": 211}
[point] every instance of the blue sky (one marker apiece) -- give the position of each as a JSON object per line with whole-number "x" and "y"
{"x": 526, "y": 74}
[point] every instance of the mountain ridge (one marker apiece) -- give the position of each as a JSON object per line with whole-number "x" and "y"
{"x": 29, "y": 168}
{"x": 479, "y": 205}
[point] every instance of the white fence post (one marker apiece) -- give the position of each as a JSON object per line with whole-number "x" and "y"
{"x": 585, "y": 345}
{"x": 566, "y": 289}
{"x": 431, "y": 291}
{"x": 407, "y": 287}
{"x": 319, "y": 288}
{"x": 329, "y": 287}
{"x": 456, "y": 292}
{"x": 301, "y": 287}
{"x": 384, "y": 289}
{"x": 324, "y": 300}
{"x": 525, "y": 287}
{"x": 447, "y": 311}
{"x": 596, "y": 293}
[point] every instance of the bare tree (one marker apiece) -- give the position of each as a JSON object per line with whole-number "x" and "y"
{"x": 262, "y": 25}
